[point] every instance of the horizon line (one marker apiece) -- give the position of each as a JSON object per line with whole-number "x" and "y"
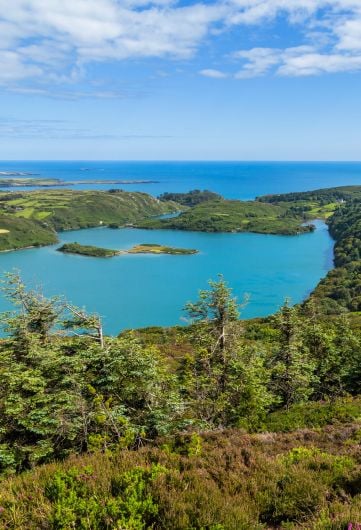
{"x": 219, "y": 160}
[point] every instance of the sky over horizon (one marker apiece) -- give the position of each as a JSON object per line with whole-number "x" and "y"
{"x": 180, "y": 79}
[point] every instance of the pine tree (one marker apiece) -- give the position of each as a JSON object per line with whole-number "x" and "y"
{"x": 293, "y": 372}
{"x": 222, "y": 377}
{"x": 332, "y": 345}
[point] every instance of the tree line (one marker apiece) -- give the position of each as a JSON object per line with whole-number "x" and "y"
{"x": 65, "y": 388}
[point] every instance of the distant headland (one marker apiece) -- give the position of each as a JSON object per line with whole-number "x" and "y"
{"x": 50, "y": 182}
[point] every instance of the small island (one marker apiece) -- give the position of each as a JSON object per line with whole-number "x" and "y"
{"x": 152, "y": 248}
{"x": 88, "y": 250}
{"x": 144, "y": 248}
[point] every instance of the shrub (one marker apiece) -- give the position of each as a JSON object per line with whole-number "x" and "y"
{"x": 313, "y": 415}
{"x": 129, "y": 505}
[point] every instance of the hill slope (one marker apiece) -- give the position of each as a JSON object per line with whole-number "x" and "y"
{"x": 234, "y": 216}
{"x": 30, "y": 218}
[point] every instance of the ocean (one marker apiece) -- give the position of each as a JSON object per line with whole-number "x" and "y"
{"x": 236, "y": 180}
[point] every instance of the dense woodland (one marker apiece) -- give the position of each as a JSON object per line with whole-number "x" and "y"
{"x": 221, "y": 424}
{"x": 191, "y": 198}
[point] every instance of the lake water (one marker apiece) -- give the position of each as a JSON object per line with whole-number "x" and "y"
{"x": 143, "y": 290}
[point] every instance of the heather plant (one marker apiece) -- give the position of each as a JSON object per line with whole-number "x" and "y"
{"x": 302, "y": 480}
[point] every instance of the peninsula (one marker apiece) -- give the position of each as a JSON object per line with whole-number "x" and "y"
{"x": 221, "y": 215}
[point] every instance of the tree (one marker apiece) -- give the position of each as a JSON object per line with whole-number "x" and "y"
{"x": 332, "y": 345}
{"x": 217, "y": 308}
{"x": 35, "y": 315}
{"x": 132, "y": 390}
{"x": 90, "y": 325}
{"x": 293, "y": 372}
{"x": 62, "y": 393}
{"x": 222, "y": 376}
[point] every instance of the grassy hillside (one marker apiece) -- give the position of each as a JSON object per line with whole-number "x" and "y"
{"x": 17, "y": 232}
{"x": 234, "y": 216}
{"x": 321, "y": 196}
{"x": 31, "y": 217}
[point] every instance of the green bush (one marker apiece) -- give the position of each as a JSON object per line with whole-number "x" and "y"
{"x": 129, "y": 505}
{"x": 313, "y": 415}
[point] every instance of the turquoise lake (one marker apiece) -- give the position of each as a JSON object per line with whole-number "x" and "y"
{"x": 145, "y": 290}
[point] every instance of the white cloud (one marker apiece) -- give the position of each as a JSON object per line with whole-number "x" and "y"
{"x": 349, "y": 33}
{"x": 259, "y": 61}
{"x": 53, "y": 40}
{"x": 255, "y": 11}
{"x": 215, "y": 74}
{"x": 333, "y": 39}
{"x": 318, "y": 63}
{"x": 297, "y": 61}
{"x": 13, "y": 69}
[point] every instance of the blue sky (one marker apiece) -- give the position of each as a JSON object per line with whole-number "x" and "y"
{"x": 183, "y": 80}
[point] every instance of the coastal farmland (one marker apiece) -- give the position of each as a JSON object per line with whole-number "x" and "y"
{"x": 32, "y": 218}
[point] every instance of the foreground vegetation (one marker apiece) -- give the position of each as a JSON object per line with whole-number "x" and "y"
{"x": 32, "y": 218}
{"x": 222, "y": 480}
{"x": 173, "y": 427}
